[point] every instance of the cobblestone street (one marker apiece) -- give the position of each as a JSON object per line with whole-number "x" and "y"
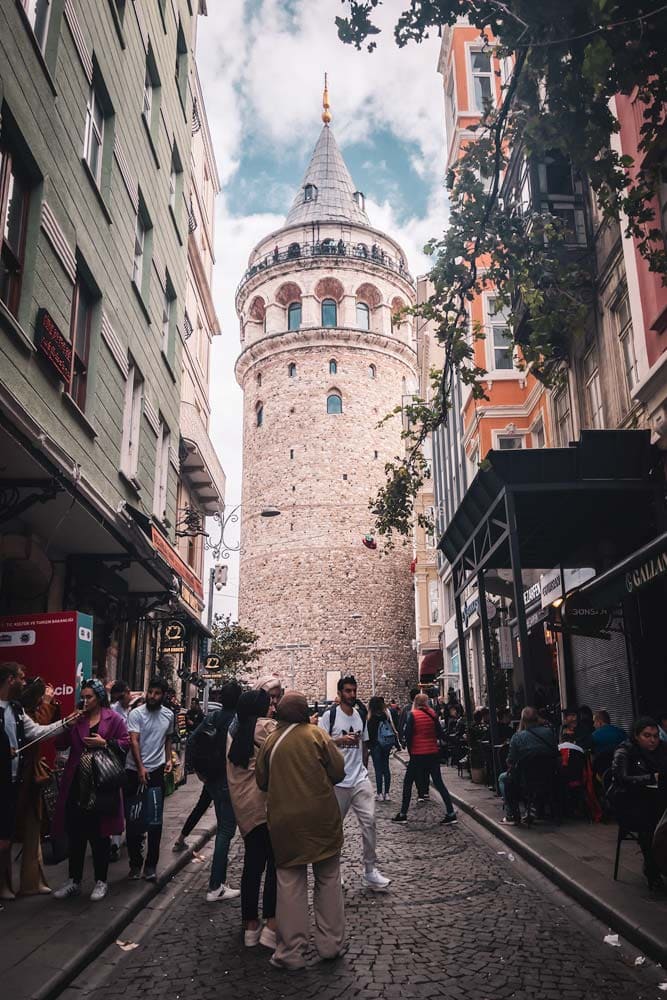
{"x": 462, "y": 921}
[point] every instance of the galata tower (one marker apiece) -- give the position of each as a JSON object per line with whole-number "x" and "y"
{"x": 327, "y": 352}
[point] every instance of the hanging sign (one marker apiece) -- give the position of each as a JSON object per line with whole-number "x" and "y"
{"x": 173, "y": 637}
{"x": 646, "y": 573}
{"x": 53, "y": 346}
{"x": 581, "y": 619}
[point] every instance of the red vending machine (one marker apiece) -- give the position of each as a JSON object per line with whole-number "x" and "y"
{"x": 56, "y": 646}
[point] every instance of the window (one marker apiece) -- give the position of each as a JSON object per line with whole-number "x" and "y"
{"x": 37, "y": 12}
{"x": 175, "y": 184}
{"x": 14, "y": 201}
{"x": 148, "y": 97}
{"x": 310, "y": 192}
{"x": 181, "y": 66}
{"x": 510, "y": 442}
{"x": 82, "y": 310}
{"x": 562, "y": 414}
{"x": 259, "y": 378}
{"x": 333, "y": 367}
{"x": 360, "y": 199}
{"x": 143, "y": 241}
{"x": 291, "y": 370}
{"x": 134, "y": 398}
{"x": 623, "y": 322}
{"x": 161, "y": 470}
{"x": 259, "y": 414}
{"x": 168, "y": 317}
{"x": 502, "y": 358}
{"x": 433, "y": 602}
{"x": 291, "y": 453}
{"x": 151, "y": 100}
{"x": 538, "y": 434}
{"x": 363, "y": 316}
{"x": 294, "y": 316}
{"x": 334, "y": 403}
{"x": 372, "y": 371}
{"x": 329, "y": 313}
{"x": 450, "y": 104}
{"x": 482, "y": 79}
{"x": 593, "y": 390}
{"x": 94, "y": 137}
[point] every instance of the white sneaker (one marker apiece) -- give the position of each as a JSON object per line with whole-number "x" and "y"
{"x": 378, "y": 797}
{"x": 99, "y": 891}
{"x": 223, "y": 892}
{"x": 386, "y": 797}
{"x": 374, "y": 880}
{"x": 251, "y": 937}
{"x": 268, "y": 938}
{"x": 70, "y": 888}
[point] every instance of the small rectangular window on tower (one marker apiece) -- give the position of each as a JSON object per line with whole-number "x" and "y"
{"x": 291, "y": 453}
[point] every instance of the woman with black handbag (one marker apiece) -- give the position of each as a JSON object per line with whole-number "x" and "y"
{"x": 90, "y": 802}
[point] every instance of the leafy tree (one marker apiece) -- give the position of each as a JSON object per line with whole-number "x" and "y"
{"x": 569, "y": 59}
{"x": 234, "y": 645}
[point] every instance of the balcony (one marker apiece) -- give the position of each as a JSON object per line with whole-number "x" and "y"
{"x": 200, "y": 463}
{"x": 297, "y": 252}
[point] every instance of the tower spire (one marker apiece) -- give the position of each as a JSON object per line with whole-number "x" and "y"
{"x": 326, "y": 114}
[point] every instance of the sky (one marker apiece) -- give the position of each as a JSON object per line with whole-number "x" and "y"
{"x": 261, "y": 64}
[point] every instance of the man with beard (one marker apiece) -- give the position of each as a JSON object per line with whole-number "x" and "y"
{"x": 151, "y": 728}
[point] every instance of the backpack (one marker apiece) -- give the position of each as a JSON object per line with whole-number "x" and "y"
{"x": 208, "y": 748}
{"x": 386, "y": 737}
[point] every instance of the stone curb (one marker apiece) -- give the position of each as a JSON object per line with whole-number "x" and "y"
{"x": 94, "y": 946}
{"x": 653, "y": 947}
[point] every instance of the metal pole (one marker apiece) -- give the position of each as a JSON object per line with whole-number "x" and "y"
{"x": 373, "y": 672}
{"x": 209, "y": 610}
{"x": 517, "y": 580}
{"x": 463, "y": 659}
{"x": 488, "y": 667}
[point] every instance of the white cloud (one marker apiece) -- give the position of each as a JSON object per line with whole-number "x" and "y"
{"x": 261, "y": 65}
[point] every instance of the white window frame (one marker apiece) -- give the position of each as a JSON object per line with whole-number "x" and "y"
{"x": 167, "y": 304}
{"x": 172, "y": 184}
{"x": 471, "y": 74}
{"x": 499, "y": 436}
{"x": 139, "y": 251}
{"x": 593, "y": 388}
{"x": 537, "y": 428}
{"x": 563, "y": 417}
{"x": 451, "y": 109}
{"x": 132, "y": 411}
{"x": 94, "y": 133}
{"x": 161, "y": 470}
{"x": 147, "y": 110}
{"x": 626, "y": 340}
{"x": 434, "y": 610}
{"x": 494, "y": 321}
{"x": 30, "y": 8}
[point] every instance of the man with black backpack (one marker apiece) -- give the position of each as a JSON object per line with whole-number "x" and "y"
{"x": 344, "y": 725}
{"x": 208, "y": 750}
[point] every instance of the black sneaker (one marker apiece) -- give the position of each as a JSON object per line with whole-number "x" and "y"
{"x": 399, "y": 818}
{"x": 114, "y": 854}
{"x": 150, "y": 874}
{"x": 135, "y": 874}
{"x": 449, "y": 818}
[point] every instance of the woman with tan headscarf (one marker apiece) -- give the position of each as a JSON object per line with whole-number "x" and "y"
{"x": 298, "y": 765}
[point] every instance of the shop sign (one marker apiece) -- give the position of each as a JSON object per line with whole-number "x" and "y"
{"x": 53, "y": 346}
{"x": 173, "y": 637}
{"x": 646, "y": 573}
{"x": 581, "y": 619}
{"x": 532, "y": 594}
{"x": 551, "y": 586}
{"x": 171, "y": 556}
{"x": 191, "y": 599}
{"x": 505, "y": 647}
{"x": 471, "y": 608}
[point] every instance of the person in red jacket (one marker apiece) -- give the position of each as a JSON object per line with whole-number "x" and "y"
{"x": 422, "y": 737}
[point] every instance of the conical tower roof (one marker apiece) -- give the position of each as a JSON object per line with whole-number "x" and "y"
{"x": 333, "y": 201}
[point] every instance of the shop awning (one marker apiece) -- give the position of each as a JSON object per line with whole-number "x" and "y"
{"x": 431, "y": 665}
{"x": 629, "y": 576}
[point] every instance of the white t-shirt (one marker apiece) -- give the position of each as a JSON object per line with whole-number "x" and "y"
{"x": 354, "y": 757}
{"x": 123, "y": 712}
{"x": 153, "y": 727}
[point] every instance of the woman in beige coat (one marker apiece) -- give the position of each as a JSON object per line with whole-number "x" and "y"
{"x": 247, "y": 733}
{"x": 299, "y": 765}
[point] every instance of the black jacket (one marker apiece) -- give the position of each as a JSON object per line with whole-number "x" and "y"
{"x": 632, "y": 769}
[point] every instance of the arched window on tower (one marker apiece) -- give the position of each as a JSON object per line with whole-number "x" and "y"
{"x": 259, "y": 414}
{"x": 294, "y": 316}
{"x": 372, "y": 371}
{"x": 333, "y": 367}
{"x": 334, "y": 403}
{"x": 363, "y": 316}
{"x": 329, "y": 312}
{"x": 291, "y": 370}
{"x": 310, "y": 192}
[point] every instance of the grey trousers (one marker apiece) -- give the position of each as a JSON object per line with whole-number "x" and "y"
{"x": 361, "y": 800}
{"x": 292, "y": 912}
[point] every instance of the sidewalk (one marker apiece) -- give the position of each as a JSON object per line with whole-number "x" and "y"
{"x": 579, "y": 857}
{"x": 45, "y": 943}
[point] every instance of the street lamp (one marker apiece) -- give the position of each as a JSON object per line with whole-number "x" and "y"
{"x": 292, "y": 647}
{"x": 373, "y": 649}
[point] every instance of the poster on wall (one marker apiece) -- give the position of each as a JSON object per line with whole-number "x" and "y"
{"x": 56, "y": 646}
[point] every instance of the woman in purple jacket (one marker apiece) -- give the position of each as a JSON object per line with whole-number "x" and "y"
{"x": 77, "y": 810}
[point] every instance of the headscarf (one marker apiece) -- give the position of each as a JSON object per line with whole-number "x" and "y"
{"x": 293, "y": 707}
{"x": 251, "y": 705}
{"x": 267, "y": 682}
{"x": 98, "y": 687}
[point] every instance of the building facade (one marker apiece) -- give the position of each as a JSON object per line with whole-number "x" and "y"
{"x": 326, "y": 354}
{"x": 95, "y": 143}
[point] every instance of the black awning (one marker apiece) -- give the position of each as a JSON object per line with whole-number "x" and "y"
{"x": 632, "y": 574}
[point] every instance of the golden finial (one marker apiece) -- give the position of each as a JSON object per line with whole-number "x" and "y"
{"x": 326, "y": 114}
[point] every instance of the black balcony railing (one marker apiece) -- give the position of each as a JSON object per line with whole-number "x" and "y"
{"x": 295, "y": 252}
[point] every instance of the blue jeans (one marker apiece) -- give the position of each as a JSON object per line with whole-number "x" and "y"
{"x": 224, "y": 814}
{"x": 381, "y": 757}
